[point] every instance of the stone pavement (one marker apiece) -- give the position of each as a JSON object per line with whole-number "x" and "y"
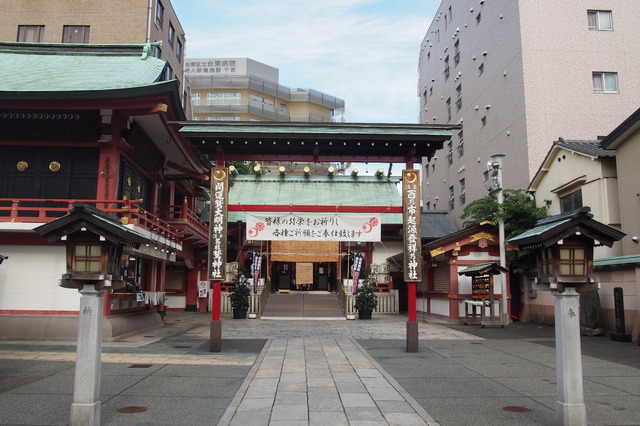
{"x": 321, "y": 372}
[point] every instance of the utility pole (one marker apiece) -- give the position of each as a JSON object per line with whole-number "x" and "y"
{"x": 495, "y": 169}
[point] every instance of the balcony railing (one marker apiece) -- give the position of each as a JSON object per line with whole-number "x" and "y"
{"x": 182, "y": 216}
{"x": 129, "y": 212}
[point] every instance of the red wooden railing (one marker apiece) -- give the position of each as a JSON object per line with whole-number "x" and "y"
{"x": 33, "y": 210}
{"x": 182, "y": 214}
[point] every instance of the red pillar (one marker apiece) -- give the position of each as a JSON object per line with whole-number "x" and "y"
{"x": 215, "y": 312}
{"x": 412, "y": 323}
{"x": 411, "y": 287}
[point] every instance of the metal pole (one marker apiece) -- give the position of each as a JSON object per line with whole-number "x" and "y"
{"x": 504, "y": 309}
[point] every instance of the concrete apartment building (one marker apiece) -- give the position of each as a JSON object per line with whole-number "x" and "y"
{"x": 99, "y": 22}
{"x": 241, "y": 89}
{"x": 518, "y": 76}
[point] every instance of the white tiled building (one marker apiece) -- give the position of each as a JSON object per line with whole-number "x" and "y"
{"x": 517, "y": 76}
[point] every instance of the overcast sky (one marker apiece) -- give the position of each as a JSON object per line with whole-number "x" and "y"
{"x": 363, "y": 51}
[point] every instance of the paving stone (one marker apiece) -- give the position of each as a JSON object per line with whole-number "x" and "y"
{"x": 357, "y": 400}
{"x": 325, "y": 405}
{"x": 290, "y": 412}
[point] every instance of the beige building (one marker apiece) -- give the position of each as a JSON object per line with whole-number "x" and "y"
{"x": 576, "y": 174}
{"x": 110, "y": 22}
{"x": 518, "y": 75}
{"x": 604, "y": 176}
{"x": 241, "y": 89}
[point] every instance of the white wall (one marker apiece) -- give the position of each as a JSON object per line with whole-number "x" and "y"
{"x": 29, "y": 279}
{"x": 382, "y": 251}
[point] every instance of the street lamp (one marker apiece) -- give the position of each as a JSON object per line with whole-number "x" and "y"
{"x": 94, "y": 244}
{"x": 494, "y": 170}
{"x": 564, "y": 253}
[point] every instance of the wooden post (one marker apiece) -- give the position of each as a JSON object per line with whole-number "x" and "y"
{"x": 412, "y": 249}
{"x": 217, "y": 249}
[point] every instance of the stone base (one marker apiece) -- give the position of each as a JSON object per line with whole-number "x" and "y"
{"x": 215, "y": 336}
{"x": 85, "y": 414}
{"x": 412, "y": 337}
{"x": 571, "y": 414}
{"x": 65, "y": 327}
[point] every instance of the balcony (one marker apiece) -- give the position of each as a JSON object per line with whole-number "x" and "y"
{"x": 175, "y": 226}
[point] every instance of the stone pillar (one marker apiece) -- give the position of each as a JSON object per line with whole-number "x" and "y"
{"x": 85, "y": 409}
{"x": 570, "y": 407}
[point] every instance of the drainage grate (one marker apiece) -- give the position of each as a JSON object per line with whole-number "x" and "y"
{"x": 132, "y": 409}
{"x": 516, "y": 409}
{"x": 140, "y": 365}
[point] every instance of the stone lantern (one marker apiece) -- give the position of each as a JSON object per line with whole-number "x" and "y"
{"x": 94, "y": 243}
{"x": 564, "y": 253}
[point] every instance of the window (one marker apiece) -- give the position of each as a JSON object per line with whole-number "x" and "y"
{"x": 168, "y": 72}
{"x": 223, "y": 118}
{"x": 478, "y": 18}
{"x": 605, "y": 82}
{"x": 545, "y": 262}
{"x": 30, "y": 33}
{"x": 75, "y": 34}
{"x": 446, "y": 67}
{"x": 450, "y": 153}
{"x": 157, "y": 52}
{"x": 460, "y": 144}
{"x": 171, "y": 34}
{"x": 451, "y": 198}
{"x": 87, "y": 257}
{"x": 461, "y": 195}
{"x": 599, "y": 20}
{"x": 179, "y": 50}
{"x": 571, "y": 202}
{"x": 459, "y": 98}
{"x": 481, "y": 69}
{"x": 260, "y": 102}
{"x": 572, "y": 261}
{"x": 195, "y": 98}
{"x": 223, "y": 98}
{"x": 448, "y": 109}
{"x": 159, "y": 13}
{"x": 456, "y": 58}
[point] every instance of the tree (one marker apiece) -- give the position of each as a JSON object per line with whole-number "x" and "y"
{"x": 519, "y": 213}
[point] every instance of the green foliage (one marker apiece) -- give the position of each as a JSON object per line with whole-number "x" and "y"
{"x": 366, "y": 298}
{"x": 239, "y": 294}
{"x": 519, "y": 213}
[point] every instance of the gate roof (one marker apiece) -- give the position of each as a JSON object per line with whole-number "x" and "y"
{"x": 316, "y": 142}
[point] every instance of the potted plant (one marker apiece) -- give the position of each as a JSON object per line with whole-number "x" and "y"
{"x": 239, "y": 297}
{"x": 366, "y": 299}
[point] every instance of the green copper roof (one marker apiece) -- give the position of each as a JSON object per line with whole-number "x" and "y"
{"x": 315, "y": 190}
{"x": 629, "y": 260}
{"x": 38, "y": 67}
{"x": 341, "y": 129}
